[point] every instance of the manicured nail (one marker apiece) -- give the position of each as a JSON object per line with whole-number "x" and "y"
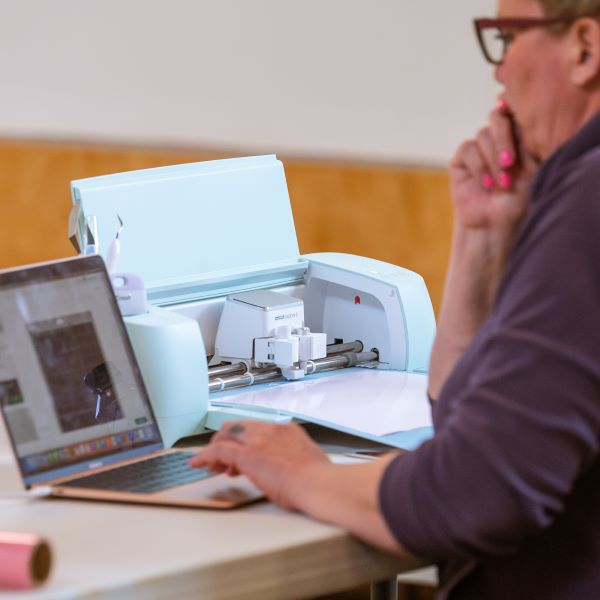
{"x": 488, "y": 182}
{"x": 507, "y": 159}
{"x": 501, "y": 105}
{"x": 504, "y": 180}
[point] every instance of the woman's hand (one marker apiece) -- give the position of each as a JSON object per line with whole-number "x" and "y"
{"x": 490, "y": 176}
{"x": 277, "y": 458}
{"x": 293, "y": 472}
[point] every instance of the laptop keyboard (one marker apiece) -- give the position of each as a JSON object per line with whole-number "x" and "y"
{"x": 146, "y": 476}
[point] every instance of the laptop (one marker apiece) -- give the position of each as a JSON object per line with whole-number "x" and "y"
{"x": 73, "y": 400}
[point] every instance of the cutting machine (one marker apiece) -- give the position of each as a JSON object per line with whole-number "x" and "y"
{"x": 230, "y": 301}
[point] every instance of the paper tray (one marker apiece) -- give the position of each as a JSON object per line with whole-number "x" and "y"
{"x": 390, "y": 407}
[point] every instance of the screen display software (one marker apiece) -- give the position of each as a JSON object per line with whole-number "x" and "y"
{"x": 70, "y": 389}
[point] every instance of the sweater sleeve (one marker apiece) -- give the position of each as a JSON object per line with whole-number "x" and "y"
{"x": 525, "y": 398}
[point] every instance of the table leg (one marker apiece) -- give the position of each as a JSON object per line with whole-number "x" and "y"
{"x": 385, "y": 590}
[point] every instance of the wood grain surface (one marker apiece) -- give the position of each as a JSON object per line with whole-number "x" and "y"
{"x": 397, "y": 214}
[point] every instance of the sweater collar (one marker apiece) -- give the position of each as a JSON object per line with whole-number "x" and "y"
{"x": 587, "y": 138}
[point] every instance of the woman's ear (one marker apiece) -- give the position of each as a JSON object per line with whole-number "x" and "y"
{"x": 584, "y": 46}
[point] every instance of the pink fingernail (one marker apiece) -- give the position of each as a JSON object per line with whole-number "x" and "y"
{"x": 488, "y": 182}
{"x": 504, "y": 180}
{"x": 501, "y": 105}
{"x": 507, "y": 159}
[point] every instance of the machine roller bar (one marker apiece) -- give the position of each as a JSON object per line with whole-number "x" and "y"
{"x": 348, "y": 347}
{"x": 339, "y": 361}
{"x": 235, "y": 368}
{"x": 229, "y": 369}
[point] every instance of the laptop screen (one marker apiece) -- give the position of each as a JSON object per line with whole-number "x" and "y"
{"x": 70, "y": 388}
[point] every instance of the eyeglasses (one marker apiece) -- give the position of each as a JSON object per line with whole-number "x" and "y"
{"x": 495, "y": 35}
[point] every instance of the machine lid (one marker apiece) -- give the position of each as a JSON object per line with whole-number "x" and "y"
{"x": 196, "y": 230}
{"x": 266, "y": 299}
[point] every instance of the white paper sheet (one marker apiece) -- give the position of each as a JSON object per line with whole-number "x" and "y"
{"x": 372, "y": 401}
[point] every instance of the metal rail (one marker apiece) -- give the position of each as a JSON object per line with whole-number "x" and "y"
{"x": 227, "y": 369}
{"x": 235, "y": 368}
{"x": 337, "y": 361}
{"x": 348, "y": 347}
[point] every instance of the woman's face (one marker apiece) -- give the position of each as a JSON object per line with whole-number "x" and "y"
{"x": 534, "y": 79}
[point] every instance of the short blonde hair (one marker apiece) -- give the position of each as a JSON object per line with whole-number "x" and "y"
{"x": 567, "y": 8}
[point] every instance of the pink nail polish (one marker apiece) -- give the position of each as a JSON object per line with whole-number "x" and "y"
{"x": 504, "y": 180}
{"x": 488, "y": 182}
{"x": 501, "y": 105}
{"x": 507, "y": 159}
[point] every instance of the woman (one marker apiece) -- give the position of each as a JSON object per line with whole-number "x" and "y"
{"x": 506, "y": 496}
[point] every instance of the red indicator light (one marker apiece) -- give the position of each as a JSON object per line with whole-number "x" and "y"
{"x": 356, "y": 299}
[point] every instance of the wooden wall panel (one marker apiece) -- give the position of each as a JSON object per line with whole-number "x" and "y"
{"x": 397, "y": 214}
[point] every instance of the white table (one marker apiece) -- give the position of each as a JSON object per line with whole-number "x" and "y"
{"x": 127, "y": 551}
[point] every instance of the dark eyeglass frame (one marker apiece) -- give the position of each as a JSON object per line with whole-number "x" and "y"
{"x": 520, "y": 24}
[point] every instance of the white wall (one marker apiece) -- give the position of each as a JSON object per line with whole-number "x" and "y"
{"x": 392, "y": 80}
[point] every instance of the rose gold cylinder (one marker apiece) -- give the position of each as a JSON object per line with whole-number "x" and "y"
{"x": 25, "y": 560}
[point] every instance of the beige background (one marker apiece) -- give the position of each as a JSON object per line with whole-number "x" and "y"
{"x": 400, "y": 215}
{"x": 395, "y": 81}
